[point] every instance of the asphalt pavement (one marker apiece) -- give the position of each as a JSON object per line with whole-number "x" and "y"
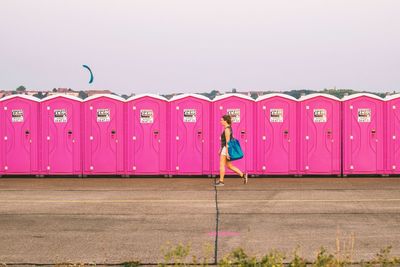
{"x": 112, "y": 220}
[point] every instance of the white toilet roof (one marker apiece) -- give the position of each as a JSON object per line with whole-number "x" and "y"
{"x": 266, "y": 96}
{"x": 144, "y": 95}
{"x": 348, "y": 97}
{"x": 302, "y": 98}
{"x": 177, "y": 97}
{"x": 104, "y": 95}
{"x": 219, "y": 97}
{"x": 61, "y": 95}
{"x": 29, "y": 97}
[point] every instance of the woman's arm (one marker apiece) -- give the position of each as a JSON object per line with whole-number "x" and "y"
{"x": 227, "y": 138}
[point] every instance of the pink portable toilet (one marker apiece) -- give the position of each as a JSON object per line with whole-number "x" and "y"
{"x": 103, "y": 135}
{"x": 392, "y": 136}
{"x": 276, "y": 126}
{"x": 319, "y": 135}
{"x": 190, "y": 132}
{"x": 1, "y": 139}
{"x": 60, "y": 136}
{"x": 363, "y": 134}
{"x": 241, "y": 108}
{"x": 146, "y": 122}
{"x": 19, "y": 135}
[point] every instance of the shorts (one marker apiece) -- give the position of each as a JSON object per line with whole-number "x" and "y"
{"x": 223, "y": 151}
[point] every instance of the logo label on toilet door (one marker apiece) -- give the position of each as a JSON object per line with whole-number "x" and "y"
{"x": 103, "y": 115}
{"x": 146, "y": 116}
{"x": 60, "y": 115}
{"x": 189, "y": 115}
{"x": 319, "y": 115}
{"x": 276, "y": 115}
{"x": 364, "y": 115}
{"x": 17, "y": 115}
{"x": 235, "y": 114}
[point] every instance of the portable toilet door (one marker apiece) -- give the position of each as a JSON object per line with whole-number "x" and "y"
{"x": 103, "y": 135}
{"x": 241, "y": 109}
{"x": 363, "y": 134}
{"x": 20, "y": 135}
{"x": 392, "y": 144}
{"x": 276, "y": 146}
{"x": 61, "y": 135}
{"x": 320, "y": 133}
{"x": 190, "y": 135}
{"x": 146, "y": 135}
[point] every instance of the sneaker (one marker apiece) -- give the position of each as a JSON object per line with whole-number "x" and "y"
{"x": 245, "y": 178}
{"x": 219, "y": 183}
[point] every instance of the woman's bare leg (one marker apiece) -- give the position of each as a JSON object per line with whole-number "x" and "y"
{"x": 233, "y": 168}
{"x": 222, "y": 162}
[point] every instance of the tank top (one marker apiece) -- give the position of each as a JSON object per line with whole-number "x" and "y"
{"x": 223, "y": 139}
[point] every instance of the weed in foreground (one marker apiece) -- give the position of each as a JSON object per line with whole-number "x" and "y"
{"x": 297, "y": 261}
{"x": 131, "y": 264}
{"x": 382, "y": 259}
{"x": 238, "y": 258}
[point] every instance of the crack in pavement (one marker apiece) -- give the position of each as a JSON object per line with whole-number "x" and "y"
{"x": 216, "y": 226}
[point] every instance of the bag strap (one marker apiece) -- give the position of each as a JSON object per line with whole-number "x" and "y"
{"x": 231, "y": 134}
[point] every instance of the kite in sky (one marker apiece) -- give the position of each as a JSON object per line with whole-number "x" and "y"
{"x": 91, "y": 73}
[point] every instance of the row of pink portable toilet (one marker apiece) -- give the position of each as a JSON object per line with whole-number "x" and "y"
{"x": 334, "y": 136}
{"x": 318, "y": 134}
{"x": 150, "y": 127}
{"x": 345, "y": 136}
{"x": 58, "y": 137}
{"x": 279, "y": 135}
{"x": 94, "y": 133}
{"x": 191, "y": 131}
{"x": 298, "y": 137}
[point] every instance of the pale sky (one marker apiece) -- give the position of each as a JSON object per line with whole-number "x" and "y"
{"x": 197, "y": 46}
